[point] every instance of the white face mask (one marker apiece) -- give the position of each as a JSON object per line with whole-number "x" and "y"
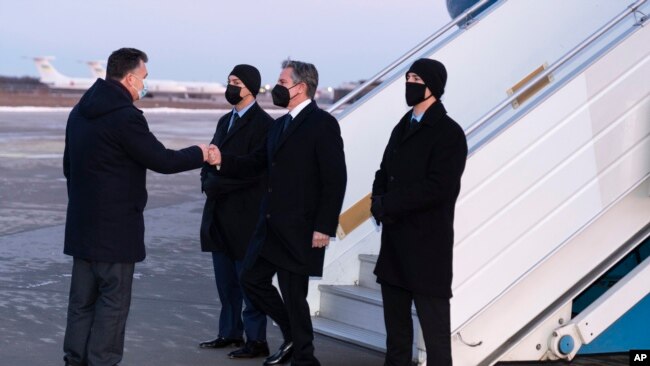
{"x": 142, "y": 92}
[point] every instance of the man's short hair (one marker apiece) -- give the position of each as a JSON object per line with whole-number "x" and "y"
{"x": 303, "y": 72}
{"x": 123, "y": 61}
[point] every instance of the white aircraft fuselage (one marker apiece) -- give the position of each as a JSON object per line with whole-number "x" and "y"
{"x": 156, "y": 86}
{"x": 55, "y": 80}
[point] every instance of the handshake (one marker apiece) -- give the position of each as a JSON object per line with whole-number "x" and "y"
{"x": 211, "y": 154}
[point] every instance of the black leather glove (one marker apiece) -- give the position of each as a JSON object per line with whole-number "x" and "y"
{"x": 210, "y": 186}
{"x": 377, "y": 210}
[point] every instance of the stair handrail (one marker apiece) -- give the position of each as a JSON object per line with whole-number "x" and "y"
{"x": 594, "y": 36}
{"x": 524, "y": 88}
{"x": 406, "y": 56}
{"x": 636, "y": 239}
{"x": 569, "y": 55}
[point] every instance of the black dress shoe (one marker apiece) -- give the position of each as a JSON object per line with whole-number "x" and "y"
{"x": 251, "y": 349}
{"x": 221, "y": 342}
{"x": 281, "y": 356}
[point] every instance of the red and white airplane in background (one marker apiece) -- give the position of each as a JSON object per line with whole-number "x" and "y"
{"x": 55, "y": 80}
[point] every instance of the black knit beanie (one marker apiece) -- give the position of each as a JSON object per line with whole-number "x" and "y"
{"x": 250, "y": 76}
{"x": 433, "y": 73}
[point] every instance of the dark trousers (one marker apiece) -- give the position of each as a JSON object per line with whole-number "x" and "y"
{"x": 433, "y": 313}
{"x": 290, "y": 312}
{"x": 231, "y": 325}
{"x": 100, "y": 297}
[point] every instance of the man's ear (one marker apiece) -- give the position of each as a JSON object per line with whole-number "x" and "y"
{"x": 126, "y": 79}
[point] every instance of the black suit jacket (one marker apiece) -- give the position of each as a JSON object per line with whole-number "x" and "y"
{"x": 306, "y": 185}
{"x": 418, "y": 182}
{"x": 232, "y": 206}
{"x": 108, "y": 149}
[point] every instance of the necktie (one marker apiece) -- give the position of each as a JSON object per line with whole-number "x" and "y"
{"x": 287, "y": 122}
{"x": 234, "y": 119}
{"x": 414, "y": 123}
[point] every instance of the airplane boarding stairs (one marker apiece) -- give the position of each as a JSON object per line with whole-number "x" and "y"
{"x": 555, "y": 191}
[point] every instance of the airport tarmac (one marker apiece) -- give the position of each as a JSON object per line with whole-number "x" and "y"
{"x": 174, "y": 305}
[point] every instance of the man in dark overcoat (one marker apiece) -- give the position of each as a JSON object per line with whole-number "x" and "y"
{"x": 413, "y": 197}
{"x": 230, "y": 213}
{"x": 299, "y": 213}
{"x": 108, "y": 149}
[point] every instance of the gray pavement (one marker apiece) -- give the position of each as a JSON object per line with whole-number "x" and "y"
{"x": 175, "y": 303}
{"x": 174, "y": 299}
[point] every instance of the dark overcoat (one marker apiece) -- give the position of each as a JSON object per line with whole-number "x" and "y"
{"x": 306, "y": 185}
{"x": 232, "y": 205}
{"x": 418, "y": 182}
{"x": 108, "y": 149}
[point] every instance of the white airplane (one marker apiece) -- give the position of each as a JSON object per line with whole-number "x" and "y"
{"x": 56, "y": 80}
{"x": 97, "y": 69}
{"x": 188, "y": 88}
{"x": 204, "y": 88}
{"x": 155, "y": 87}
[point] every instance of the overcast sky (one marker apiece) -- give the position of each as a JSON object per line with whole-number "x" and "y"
{"x": 202, "y": 40}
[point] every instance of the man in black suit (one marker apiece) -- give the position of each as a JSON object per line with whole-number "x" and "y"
{"x": 300, "y": 211}
{"x": 231, "y": 212}
{"x": 108, "y": 149}
{"x": 414, "y": 197}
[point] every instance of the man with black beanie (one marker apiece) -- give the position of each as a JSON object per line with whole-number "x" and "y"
{"x": 300, "y": 210}
{"x": 231, "y": 212}
{"x": 413, "y": 197}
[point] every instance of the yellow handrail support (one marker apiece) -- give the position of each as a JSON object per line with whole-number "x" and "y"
{"x": 532, "y": 89}
{"x": 353, "y": 217}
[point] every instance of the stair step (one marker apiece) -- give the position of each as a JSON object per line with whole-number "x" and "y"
{"x": 355, "y": 335}
{"x": 354, "y": 305}
{"x": 357, "y": 306}
{"x": 349, "y": 333}
{"x": 366, "y": 276}
{"x": 371, "y": 258}
{"x": 359, "y": 293}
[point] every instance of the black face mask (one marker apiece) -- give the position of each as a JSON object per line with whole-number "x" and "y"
{"x": 233, "y": 94}
{"x": 281, "y": 96}
{"x": 415, "y": 93}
